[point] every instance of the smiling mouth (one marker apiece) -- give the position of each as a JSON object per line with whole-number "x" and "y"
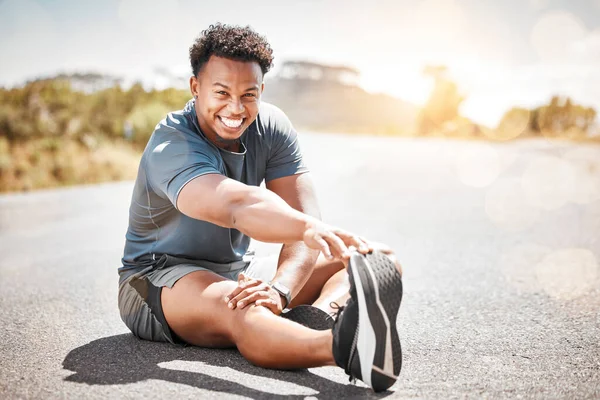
{"x": 232, "y": 123}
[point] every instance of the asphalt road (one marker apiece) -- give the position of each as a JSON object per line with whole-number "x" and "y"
{"x": 500, "y": 246}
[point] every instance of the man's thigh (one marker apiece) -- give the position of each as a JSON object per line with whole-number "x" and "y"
{"x": 196, "y": 311}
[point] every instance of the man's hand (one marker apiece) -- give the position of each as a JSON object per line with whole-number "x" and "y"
{"x": 334, "y": 242}
{"x": 254, "y": 291}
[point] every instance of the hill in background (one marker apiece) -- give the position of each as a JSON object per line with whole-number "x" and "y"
{"x": 328, "y": 98}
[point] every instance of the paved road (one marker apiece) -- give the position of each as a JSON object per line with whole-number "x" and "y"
{"x": 500, "y": 245}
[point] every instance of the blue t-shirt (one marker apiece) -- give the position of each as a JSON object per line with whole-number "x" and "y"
{"x": 178, "y": 152}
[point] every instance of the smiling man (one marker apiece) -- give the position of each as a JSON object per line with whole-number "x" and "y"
{"x": 188, "y": 276}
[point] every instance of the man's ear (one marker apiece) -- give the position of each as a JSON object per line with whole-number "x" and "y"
{"x": 194, "y": 86}
{"x": 262, "y": 87}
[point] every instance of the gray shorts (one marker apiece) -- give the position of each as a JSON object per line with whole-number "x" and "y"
{"x": 140, "y": 290}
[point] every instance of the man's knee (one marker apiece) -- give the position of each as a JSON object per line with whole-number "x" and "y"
{"x": 242, "y": 331}
{"x": 244, "y": 319}
{"x": 196, "y": 311}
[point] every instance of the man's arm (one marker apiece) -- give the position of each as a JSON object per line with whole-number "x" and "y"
{"x": 260, "y": 214}
{"x": 296, "y": 260}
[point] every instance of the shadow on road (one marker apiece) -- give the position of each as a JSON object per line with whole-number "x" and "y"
{"x": 125, "y": 359}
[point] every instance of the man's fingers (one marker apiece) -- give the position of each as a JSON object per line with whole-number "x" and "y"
{"x": 241, "y": 296}
{"x": 368, "y": 243}
{"x": 365, "y": 247}
{"x": 355, "y": 241}
{"x": 360, "y": 244}
{"x": 231, "y": 295}
{"x": 252, "y": 298}
{"x": 338, "y": 246}
{"x": 324, "y": 247}
{"x": 243, "y": 283}
{"x": 268, "y": 303}
{"x": 238, "y": 289}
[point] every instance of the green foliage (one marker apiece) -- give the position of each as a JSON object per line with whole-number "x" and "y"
{"x": 561, "y": 117}
{"x": 52, "y": 108}
{"x": 143, "y": 119}
{"x": 561, "y": 114}
{"x": 54, "y": 132}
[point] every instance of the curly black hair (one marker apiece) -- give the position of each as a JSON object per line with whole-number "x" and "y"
{"x": 232, "y": 42}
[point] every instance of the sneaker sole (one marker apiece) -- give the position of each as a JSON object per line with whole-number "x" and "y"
{"x": 379, "y": 293}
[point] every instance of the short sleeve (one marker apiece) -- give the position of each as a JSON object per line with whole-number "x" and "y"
{"x": 172, "y": 164}
{"x": 285, "y": 156}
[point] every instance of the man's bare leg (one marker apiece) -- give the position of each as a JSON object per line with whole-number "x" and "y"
{"x": 196, "y": 312}
{"x": 328, "y": 283}
{"x": 323, "y": 270}
{"x": 335, "y": 291}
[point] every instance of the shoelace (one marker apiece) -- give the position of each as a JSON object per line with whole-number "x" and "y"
{"x": 338, "y": 311}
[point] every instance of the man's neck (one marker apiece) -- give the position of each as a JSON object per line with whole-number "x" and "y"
{"x": 225, "y": 144}
{"x": 231, "y": 145}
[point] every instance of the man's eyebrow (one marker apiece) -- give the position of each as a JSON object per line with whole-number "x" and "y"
{"x": 254, "y": 88}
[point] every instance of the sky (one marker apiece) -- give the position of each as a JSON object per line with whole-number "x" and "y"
{"x": 501, "y": 53}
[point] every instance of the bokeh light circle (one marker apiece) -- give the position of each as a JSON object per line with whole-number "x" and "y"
{"x": 555, "y": 36}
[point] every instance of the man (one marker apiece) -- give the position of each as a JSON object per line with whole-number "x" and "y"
{"x": 187, "y": 275}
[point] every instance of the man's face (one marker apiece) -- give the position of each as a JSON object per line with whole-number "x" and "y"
{"x": 228, "y": 98}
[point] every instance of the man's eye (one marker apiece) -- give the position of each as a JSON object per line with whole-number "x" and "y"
{"x": 221, "y": 92}
{"x": 250, "y": 95}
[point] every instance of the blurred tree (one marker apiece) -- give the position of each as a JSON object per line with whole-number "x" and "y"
{"x": 443, "y": 103}
{"x": 70, "y": 129}
{"x": 144, "y": 118}
{"x": 561, "y": 117}
{"x": 52, "y": 107}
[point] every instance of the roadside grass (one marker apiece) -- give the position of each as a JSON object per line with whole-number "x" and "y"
{"x": 52, "y": 162}
{"x": 49, "y": 162}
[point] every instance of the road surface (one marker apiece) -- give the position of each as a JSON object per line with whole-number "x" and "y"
{"x": 500, "y": 245}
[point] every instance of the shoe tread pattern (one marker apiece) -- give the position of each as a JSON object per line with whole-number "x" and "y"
{"x": 389, "y": 283}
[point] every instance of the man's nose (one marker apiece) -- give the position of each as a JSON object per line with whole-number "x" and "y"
{"x": 236, "y": 106}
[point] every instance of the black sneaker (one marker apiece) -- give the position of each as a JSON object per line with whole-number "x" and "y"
{"x": 365, "y": 339}
{"x": 309, "y": 316}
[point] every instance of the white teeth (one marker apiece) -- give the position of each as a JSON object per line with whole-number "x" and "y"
{"x": 232, "y": 123}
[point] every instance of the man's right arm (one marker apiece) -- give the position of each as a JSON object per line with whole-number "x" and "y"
{"x": 260, "y": 214}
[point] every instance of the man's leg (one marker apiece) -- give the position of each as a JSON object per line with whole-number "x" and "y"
{"x": 195, "y": 311}
{"x": 364, "y": 340}
{"x": 328, "y": 283}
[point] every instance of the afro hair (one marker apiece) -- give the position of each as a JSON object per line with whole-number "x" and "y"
{"x": 231, "y": 42}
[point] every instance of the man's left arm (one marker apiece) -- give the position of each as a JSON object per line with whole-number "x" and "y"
{"x": 296, "y": 260}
